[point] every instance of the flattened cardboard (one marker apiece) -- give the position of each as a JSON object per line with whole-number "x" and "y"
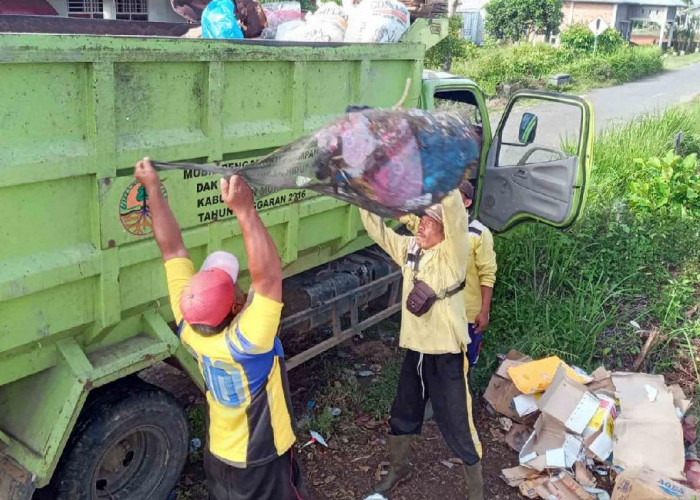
{"x": 647, "y": 421}
{"x": 515, "y": 476}
{"x": 563, "y": 486}
{"x": 649, "y": 443}
{"x": 569, "y": 402}
{"x": 650, "y": 485}
{"x": 550, "y": 446}
{"x": 536, "y": 376}
{"x": 634, "y": 391}
{"x": 598, "y": 434}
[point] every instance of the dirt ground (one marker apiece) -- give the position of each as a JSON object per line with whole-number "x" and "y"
{"x": 357, "y": 451}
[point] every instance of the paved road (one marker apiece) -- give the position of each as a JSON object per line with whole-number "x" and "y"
{"x": 621, "y": 103}
{"x": 610, "y": 105}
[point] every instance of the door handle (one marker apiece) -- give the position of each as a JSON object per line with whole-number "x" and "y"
{"x": 522, "y": 173}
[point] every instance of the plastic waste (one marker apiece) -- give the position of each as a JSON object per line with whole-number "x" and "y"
{"x": 377, "y": 21}
{"x": 279, "y": 13}
{"x": 390, "y": 162}
{"x": 219, "y": 20}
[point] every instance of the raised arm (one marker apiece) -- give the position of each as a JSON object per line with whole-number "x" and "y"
{"x": 264, "y": 261}
{"x": 393, "y": 244}
{"x": 166, "y": 230}
{"x": 455, "y": 222}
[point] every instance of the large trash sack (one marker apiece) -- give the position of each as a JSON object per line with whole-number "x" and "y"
{"x": 377, "y": 21}
{"x": 251, "y": 17}
{"x": 190, "y": 9}
{"x": 386, "y": 161}
{"x": 219, "y": 21}
{"x": 278, "y": 13}
{"x": 327, "y": 24}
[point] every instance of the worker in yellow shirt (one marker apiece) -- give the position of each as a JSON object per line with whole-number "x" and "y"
{"x": 434, "y": 334}
{"x": 481, "y": 273}
{"x": 481, "y": 276}
{"x": 249, "y": 454}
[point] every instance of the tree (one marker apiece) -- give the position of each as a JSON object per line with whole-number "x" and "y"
{"x": 513, "y": 20}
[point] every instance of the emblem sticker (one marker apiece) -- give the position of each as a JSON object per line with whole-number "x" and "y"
{"x": 134, "y": 212}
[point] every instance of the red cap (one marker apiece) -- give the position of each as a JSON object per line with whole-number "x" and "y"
{"x": 208, "y": 298}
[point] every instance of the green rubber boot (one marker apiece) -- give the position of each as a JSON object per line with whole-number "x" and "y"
{"x": 475, "y": 481}
{"x": 399, "y": 466}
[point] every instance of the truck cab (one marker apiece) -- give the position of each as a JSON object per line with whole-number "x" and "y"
{"x": 535, "y": 164}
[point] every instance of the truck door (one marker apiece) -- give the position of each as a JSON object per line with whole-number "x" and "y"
{"x": 538, "y": 162}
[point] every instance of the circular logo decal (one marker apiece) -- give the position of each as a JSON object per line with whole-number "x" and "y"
{"x": 134, "y": 211}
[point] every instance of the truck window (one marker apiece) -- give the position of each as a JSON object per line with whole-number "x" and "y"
{"x": 460, "y": 101}
{"x": 554, "y": 133}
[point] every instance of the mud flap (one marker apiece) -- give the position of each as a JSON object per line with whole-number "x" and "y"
{"x": 16, "y": 482}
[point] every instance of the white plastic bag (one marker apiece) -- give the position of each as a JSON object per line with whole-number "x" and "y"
{"x": 377, "y": 21}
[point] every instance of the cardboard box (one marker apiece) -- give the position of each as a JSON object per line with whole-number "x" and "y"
{"x": 515, "y": 476}
{"x": 650, "y": 485}
{"x": 598, "y": 434}
{"x": 501, "y": 390}
{"x": 499, "y": 394}
{"x": 602, "y": 382}
{"x": 569, "y": 402}
{"x": 648, "y": 433}
{"x": 563, "y": 486}
{"x": 550, "y": 446}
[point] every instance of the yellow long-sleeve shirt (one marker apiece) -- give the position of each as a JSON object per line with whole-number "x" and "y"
{"x": 481, "y": 267}
{"x": 481, "y": 264}
{"x": 443, "y": 329}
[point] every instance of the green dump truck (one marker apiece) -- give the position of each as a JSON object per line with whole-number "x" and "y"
{"x": 83, "y": 301}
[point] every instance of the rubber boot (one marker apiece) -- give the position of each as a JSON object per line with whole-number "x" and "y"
{"x": 475, "y": 481}
{"x": 399, "y": 466}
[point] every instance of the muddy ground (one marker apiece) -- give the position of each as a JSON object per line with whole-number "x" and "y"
{"x": 356, "y": 455}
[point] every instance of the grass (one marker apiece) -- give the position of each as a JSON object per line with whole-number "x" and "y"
{"x": 529, "y": 66}
{"x": 675, "y": 62}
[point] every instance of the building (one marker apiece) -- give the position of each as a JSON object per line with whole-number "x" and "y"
{"x": 473, "y": 13}
{"x": 132, "y": 10}
{"x": 621, "y": 15}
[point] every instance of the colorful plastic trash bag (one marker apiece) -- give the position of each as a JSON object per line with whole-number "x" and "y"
{"x": 219, "y": 20}
{"x": 390, "y": 162}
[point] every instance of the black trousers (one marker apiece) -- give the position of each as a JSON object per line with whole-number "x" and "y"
{"x": 277, "y": 480}
{"x": 442, "y": 378}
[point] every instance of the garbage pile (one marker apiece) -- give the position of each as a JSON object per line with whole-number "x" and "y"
{"x": 607, "y": 435}
{"x": 371, "y": 21}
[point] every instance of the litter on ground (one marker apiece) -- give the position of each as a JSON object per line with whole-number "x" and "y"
{"x": 588, "y": 437}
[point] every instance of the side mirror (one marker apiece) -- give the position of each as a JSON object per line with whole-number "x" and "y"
{"x": 528, "y": 128}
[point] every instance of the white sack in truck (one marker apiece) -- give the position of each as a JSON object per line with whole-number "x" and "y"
{"x": 327, "y": 24}
{"x": 377, "y": 21}
{"x": 278, "y": 13}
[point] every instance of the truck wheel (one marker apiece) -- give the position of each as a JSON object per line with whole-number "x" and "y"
{"x": 129, "y": 443}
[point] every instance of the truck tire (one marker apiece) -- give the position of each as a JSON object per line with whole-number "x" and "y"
{"x": 130, "y": 442}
